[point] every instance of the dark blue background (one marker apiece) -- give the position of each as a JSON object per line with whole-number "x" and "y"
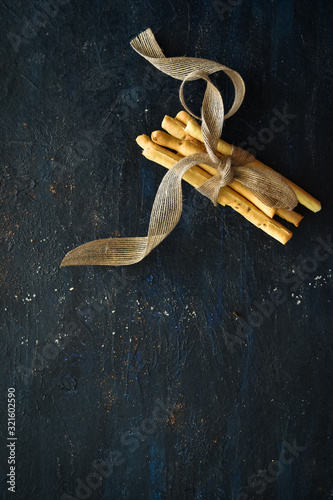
{"x": 90, "y": 350}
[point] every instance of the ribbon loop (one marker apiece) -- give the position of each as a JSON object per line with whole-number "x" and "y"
{"x": 191, "y": 76}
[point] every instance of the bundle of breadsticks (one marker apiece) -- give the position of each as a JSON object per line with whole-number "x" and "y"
{"x": 183, "y": 137}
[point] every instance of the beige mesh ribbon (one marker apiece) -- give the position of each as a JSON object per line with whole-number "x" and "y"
{"x": 268, "y": 186}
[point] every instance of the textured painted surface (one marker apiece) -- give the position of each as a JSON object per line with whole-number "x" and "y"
{"x": 91, "y": 351}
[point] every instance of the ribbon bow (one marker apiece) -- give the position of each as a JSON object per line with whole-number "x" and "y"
{"x": 268, "y": 186}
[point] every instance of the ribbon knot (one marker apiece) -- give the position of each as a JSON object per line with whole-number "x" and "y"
{"x": 226, "y": 171}
{"x": 225, "y": 175}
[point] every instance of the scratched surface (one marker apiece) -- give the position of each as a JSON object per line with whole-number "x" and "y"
{"x": 177, "y": 378}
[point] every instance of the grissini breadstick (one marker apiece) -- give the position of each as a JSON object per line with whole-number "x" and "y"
{"x": 178, "y": 127}
{"x": 193, "y": 129}
{"x": 187, "y": 148}
{"x": 290, "y": 216}
{"x": 196, "y": 176}
{"x": 183, "y": 117}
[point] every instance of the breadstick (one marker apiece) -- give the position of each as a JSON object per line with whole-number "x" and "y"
{"x": 196, "y": 176}
{"x": 178, "y": 127}
{"x": 290, "y": 216}
{"x": 193, "y": 129}
{"x": 187, "y": 148}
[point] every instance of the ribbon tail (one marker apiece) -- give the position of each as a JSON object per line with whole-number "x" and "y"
{"x": 180, "y": 68}
{"x": 146, "y": 45}
{"x": 107, "y": 252}
{"x": 165, "y": 214}
{"x": 268, "y": 186}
